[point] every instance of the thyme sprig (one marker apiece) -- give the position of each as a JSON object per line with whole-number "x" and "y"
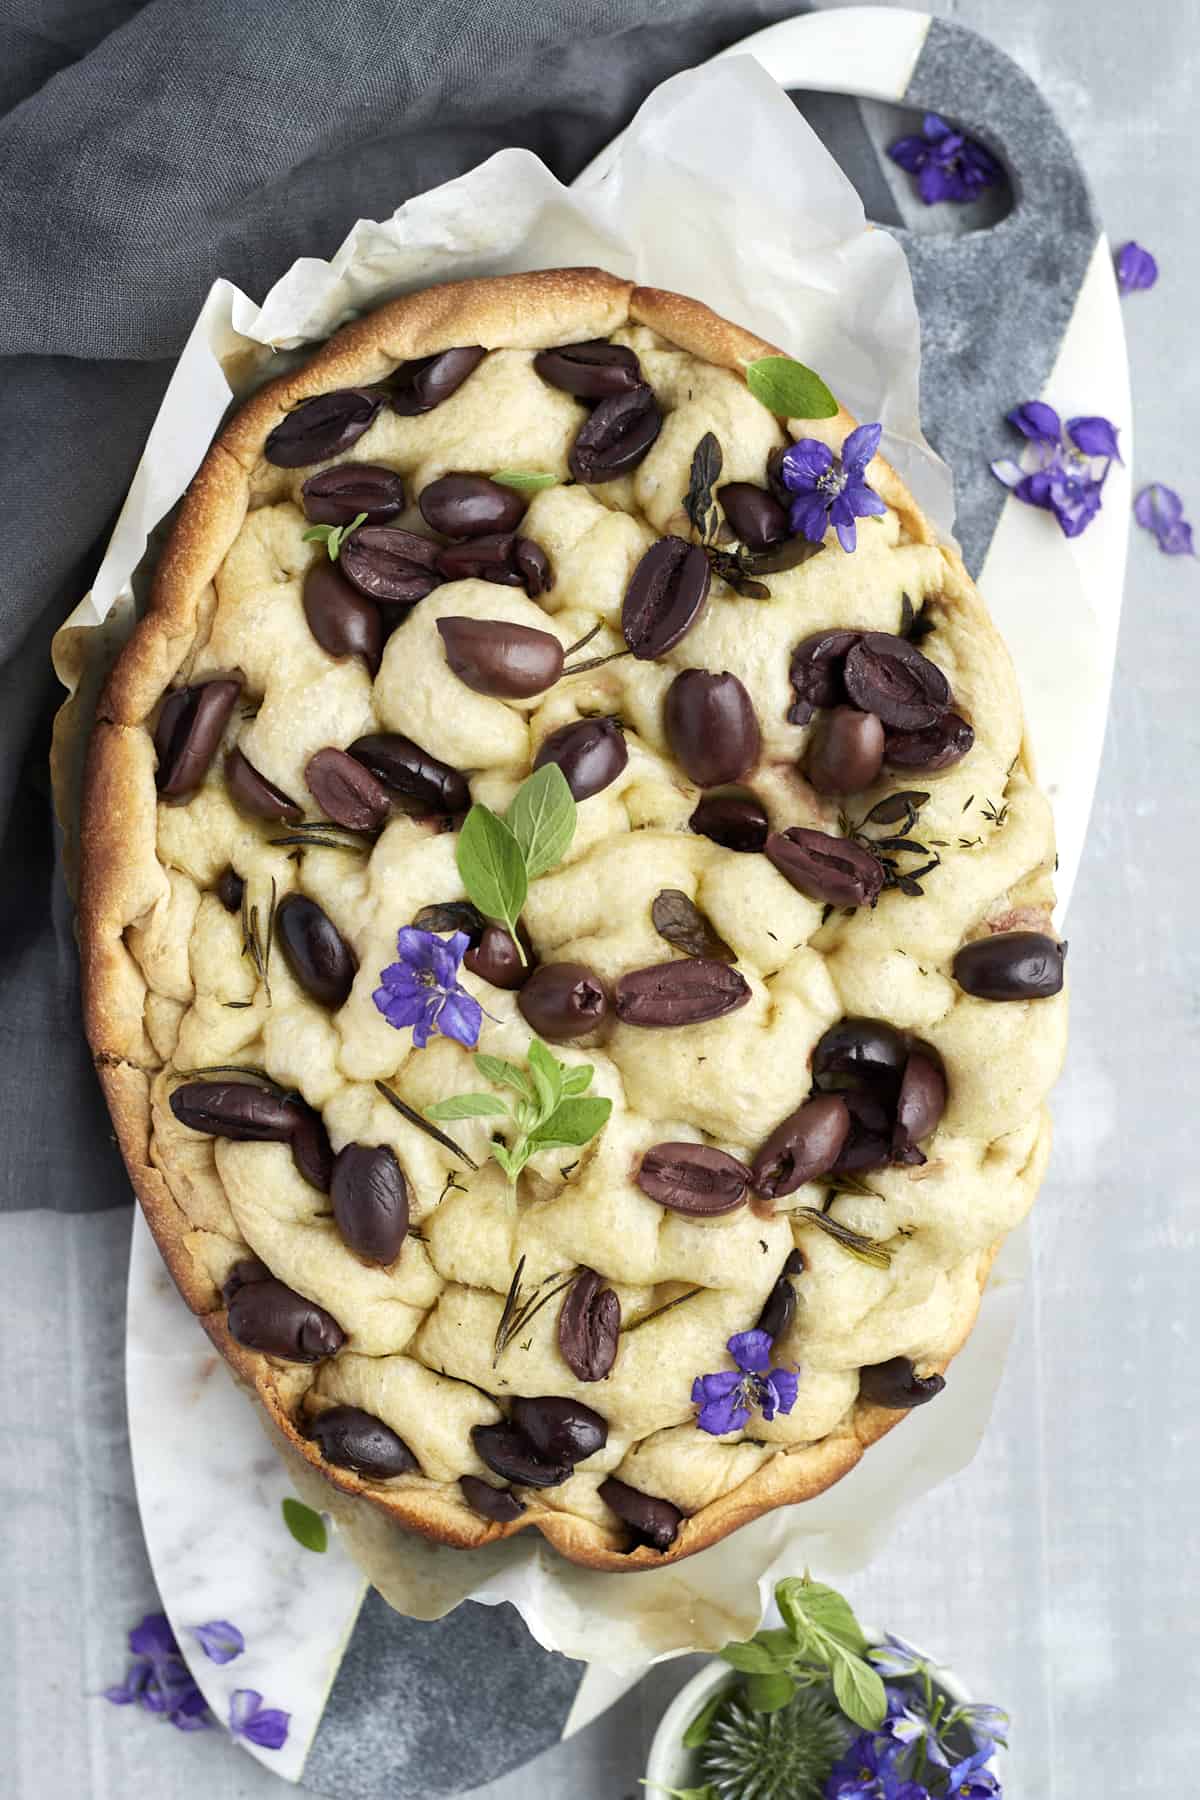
{"x": 734, "y": 567}
{"x": 902, "y": 810}
{"x": 256, "y": 947}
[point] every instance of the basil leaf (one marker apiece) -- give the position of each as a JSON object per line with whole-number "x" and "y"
{"x": 750, "y": 1659}
{"x": 526, "y": 481}
{"x": 542, "y": 819}
{"x": 305, "y": 1525}
{"x": 547, "y": 1074}
{"x": 788, "y": 389}
{"x": 572, "y": 1122}
{"x": 678, "y": 919}
{"x": 697, "y": 1732}
{"x": 859, "y": 1691}
{"x": 467, "y": 1106}
{"x": 769, "y": 1693}
{"x": 810, "y": 1605}
{"x": 492, "y": 866}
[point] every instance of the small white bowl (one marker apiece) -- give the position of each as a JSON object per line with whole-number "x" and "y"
{"x": 671, "y": 1766}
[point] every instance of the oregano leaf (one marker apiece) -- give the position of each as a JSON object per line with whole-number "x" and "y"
{"x": 547, "y": 1074}
{"x": 789, "y": 389}
{"x": 305, "y": 1525}
{"x": 812, "y": 1605}
{"x": 571, "y": 1123}
{"x": 467, "y": 1106}
{"x": 525, "y": 481}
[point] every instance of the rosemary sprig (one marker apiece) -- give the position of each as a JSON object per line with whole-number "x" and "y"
{"x": 516, "y": 1316}
{"x": 863, "y": 1249}
{"x": 581, "y": 643}
{"x": 237, "y": 1069}
{"x": 423, "y": 1124}
{"x": 258, "y": 950}
{"x": 596, "y": 662}
{"x": 510, "y": 1302}
{"x": 320, "y": 843}
{"x": 668, "y": 1306}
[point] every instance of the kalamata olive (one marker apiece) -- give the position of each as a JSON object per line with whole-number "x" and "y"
{"x": 498, "y": 1504}
{"x": 665, "y": 596}
{"x": 835, "y": 870}
{"x": 504, "y": 558}
{"x": 370, "y": 1201}
{"x": 271, "y": 1317}
{"x": 312, "y": 1152}
{"x": 230, "y": 889}
{"x": 868, "y": 1143}
{"x": 939, "y": 746}
{"x": 563, "y": 1000}
{"x": 407, "y": 769}
{"x": 1011, "y": 965}
{"x": 342, "y": 620}
{"x": 616, "y": 436}
{"x": 242, "y": 1274}
{"x": 846, "y": 752}
{"x": 791, "y": 554}
{"x": 860, "y": 1053}
{"x": 807, "y": 1144}
{"x": 346, "y": 791}
{"x": 352, "y": 1439}
{"x": 735, "y": 821}
{"x": 897, "y": 1385}
{"x": 653, "y": 1521}
{"x": 495, "y": 958}
{"x": 392, "y": 567}
{"x": 235, "y": 1109}
{"x": 921, "y": 1103}
{"x": 190, "y": 726}
{"x": 559, "y": 1430}
{"x": 780, "y": 1307}
{"x": 466, "y": 506}
{"x": 694, "y": 1179}
{"x": 452, "y": 915}
{"x": 496, "y": 657}
{"x": 595, "y": 370}
{"x": 533, "y": 566}
{"x": 711, "y": 726}
{"x": 322, "y": 427}
{"x": 589, "y": 1326}
{"x": 816, "y": 672}
{"x": 315, "y": 950}
{"x": 337, "y": 496}
{"x": 688, "y": 992}
{"x": 591, "y": 754}
{"x": 420, "y": 385}
{"x": 508, "y": 1453}
{"x": 253, "y": 793}
{"x": 888, "y": 676}
{"x": 755, "y": 517}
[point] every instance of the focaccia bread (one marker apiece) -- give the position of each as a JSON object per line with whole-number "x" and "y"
{"x": 794, "y": 929}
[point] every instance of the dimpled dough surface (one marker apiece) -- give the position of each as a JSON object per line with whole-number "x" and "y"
{"x": 420, "y": 1335}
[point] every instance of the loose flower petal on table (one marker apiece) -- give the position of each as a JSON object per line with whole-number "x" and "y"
{"x": 219, "y": 1640}
{"x": 263, "y": 1725}
{"x": 1136, "y": 268}
{"x": 1160, "y": 510}
{"x": 158, "y": 1679}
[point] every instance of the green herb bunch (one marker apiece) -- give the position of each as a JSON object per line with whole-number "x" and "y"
{"x": 551, "y": 1108}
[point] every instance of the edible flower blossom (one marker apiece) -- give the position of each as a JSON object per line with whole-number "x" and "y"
{"x": 263, "y": 1725}
{"x": 422, "y": 989}
{"x": 895, "y": 1657}
{"x": 727, "y": 1398}
{"x": 867, "y": 1771}
{"x": 831, "y": 490}
{"x": 970, "y": 1780}
{"x": 220, "y": 1641}
{"x": 1160, "y": 510}
{"x": 1136, "y": 269}
{"x": 948, "y": 164}
{"x": 157, "y": 1678}
{"x": 1073, "y": 464}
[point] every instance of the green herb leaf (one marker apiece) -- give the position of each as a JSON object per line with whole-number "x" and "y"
{"x": 511, "y": 1161}
{"x": 542, "y": 819}
{"x": 810, "y": 1606}
{"x": 572, "y": 1122}
{"x": 781, "y": 1644}
{"x": 788, "y": 389}
{"x": 332, "y": 536}
{"x": 492, "y": 866}
{"x": 548, "y": 1075}
{"x": 526, "y": 481}
{"x": 752, "y": 1658}
{"x": 697, "y": 1732}
{"x": 305, "y": 1525}
{"x": 769, "y": 1693}
{"x": 577, "y": 1080}
{"x": 467, "y": 1106}
{"x": 859, "y": 1691}
{"x": 504, "y": 1074}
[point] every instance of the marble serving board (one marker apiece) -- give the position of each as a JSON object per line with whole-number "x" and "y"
{"x": 1019, "y": 308}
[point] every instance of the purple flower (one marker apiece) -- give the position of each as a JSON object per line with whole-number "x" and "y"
{"x": 1136, "y": 268}
{"x": 422, "y": 989}
{"x": 1066, "y": 480}
{"x": 158, "y": 1679}
{"x": 219, "y": 1640}
{"x": 970, "y": 1780}
{"x": 988, "y": 1725}
{"x": 907, "y": 1727}
{"x": 1160, "y": 510}
{"x": 727, "y": 1399}
{"x": 948, "y": 165}
{"x": 895, "y": 1657}
{"x": 867, "y": 1771}
{"x": 263, "y": 1725}
{"x": 832, "y": 490}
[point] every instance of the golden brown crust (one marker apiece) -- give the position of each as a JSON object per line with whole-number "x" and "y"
{"x": 122, "y": 879}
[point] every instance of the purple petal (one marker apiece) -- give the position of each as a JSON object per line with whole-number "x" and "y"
{"x": 1037, "y": 421}
{"x": 444, "y": 962}
{"x": 268, "y": 1729}
{"x": 153, "y": 1637}
{"x": 243, "y": 1704}
{"x": 1136, "y": 268}
{"x": 782, "y": 1385}
{"x": 935, "y": 127}
{"x": 401, "y": 1010}
{"x": 1035, "y": 489}
{"x": 136, "y": 1677}
{"x": 425, "y": 1026}
{"x": 987, "y": 1724}
{"x": 1007, "y": 471}
{"x": 416, "y": 947}
{"x": 458, "y": 943}
{"x": 400, "y": 980}
{"x": 720, "y": 1416}
{"x": 1094, "y": 436}
{"x": 809, "y": 515}
{"x": 848, "y": 537}
{"x": 715, "y": 1387}
{"x": 1075, "y": 507}
{"x": 935, "y": 184}
{"x": 912, "y": 153}
{"x": 863, "y": 501}
{"x": 461, "y": 1018}
{"x": 1160, "y": 510}
{"x": 860, "y": 447}
{"x": 219, "y": 1640}
{"x": 192, "y": 1712}
{"x": 751, "y": 1351}
{"x": 803, "y": 463}
{"x": 895, "y": 1657}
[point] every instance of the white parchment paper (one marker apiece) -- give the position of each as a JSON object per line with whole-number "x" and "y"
{"x": 720, "y": 190}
